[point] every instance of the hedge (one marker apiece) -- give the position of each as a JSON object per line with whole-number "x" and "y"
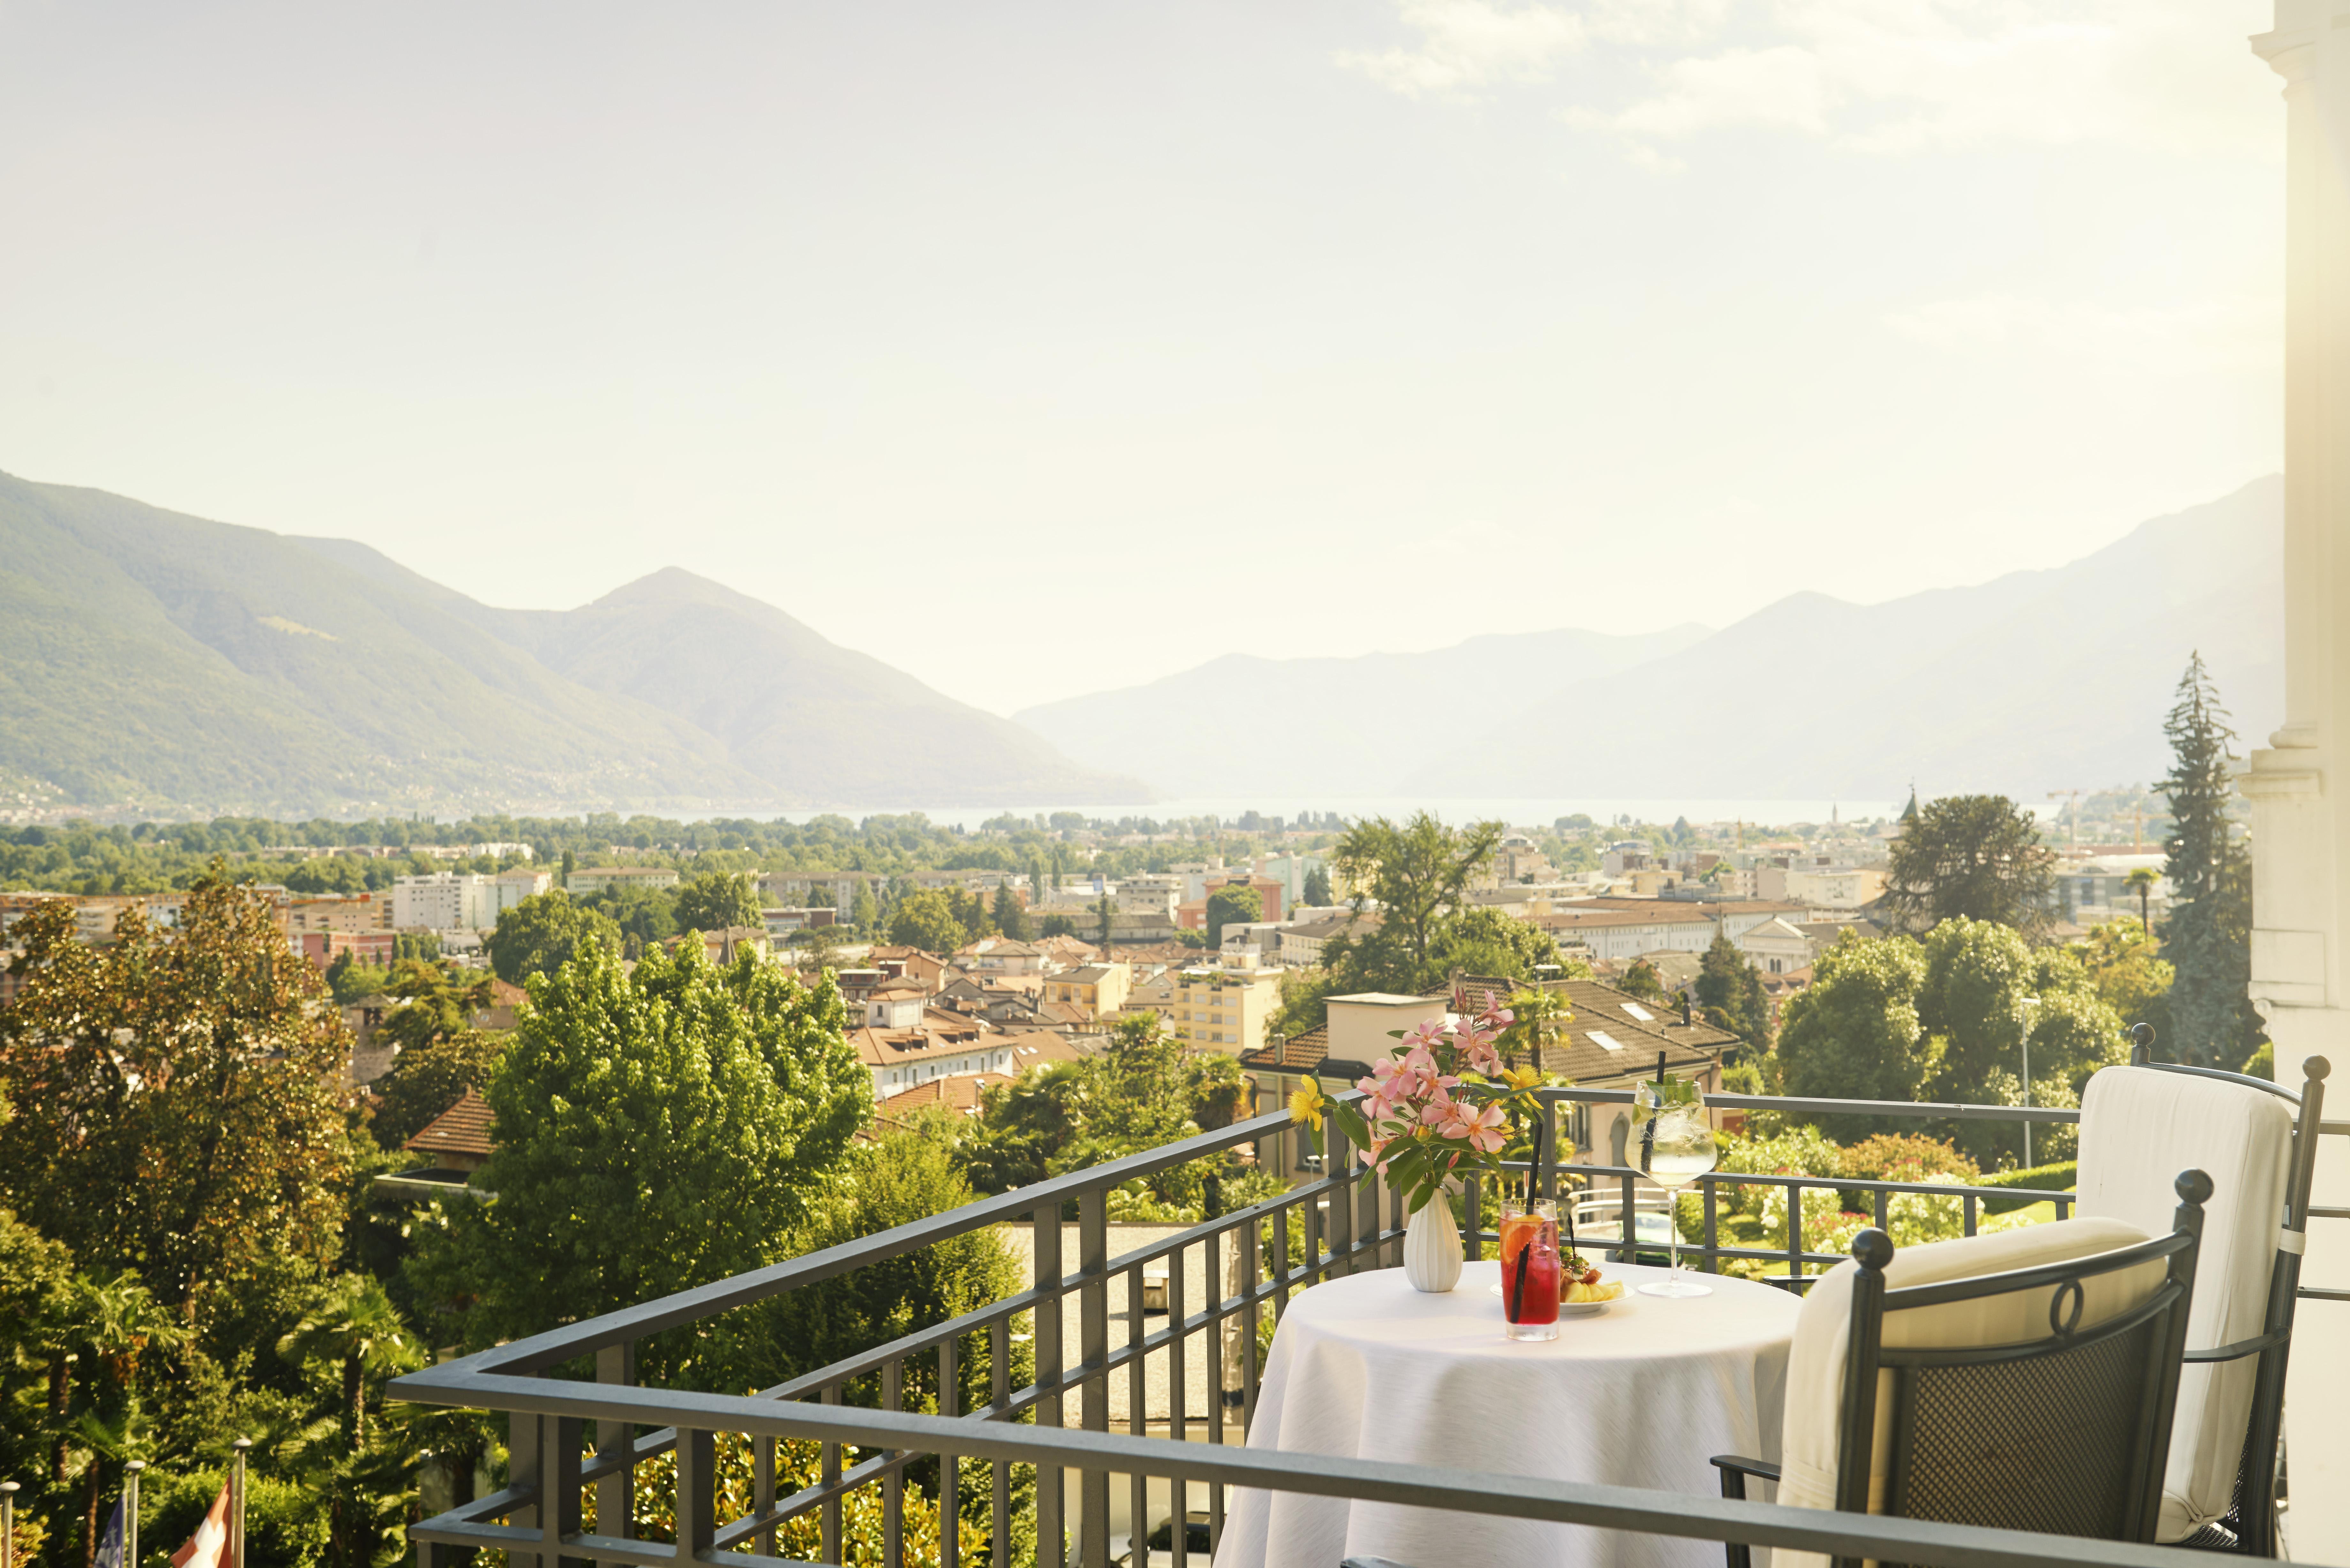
{"x": 2046, "y": 1177}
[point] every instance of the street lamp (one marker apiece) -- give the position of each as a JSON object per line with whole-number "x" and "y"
{"x": 2023, "y": 1012}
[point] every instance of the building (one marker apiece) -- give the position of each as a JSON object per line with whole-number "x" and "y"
{"x": 1000, "y": 955}
{"x": 512, "y": 887}
{"x": 1097, "y": 990}
{"x": 2094, "y": 889}
{"x": 1224, "y": 1008}
{"x": 1283, "y": 1065}
{"x": 1192, "y": 914}
{"x": 783, "y": 920}
{"x": 444, "y": 901}
{"x": 1301, "y": 946}
{"x": 587, "y": 880}
{"x": 1828, "y": 888}
{"x": 948, "y": 1046}
{"x": 306, "y": 912}
{"x": 458, "y": 1139}
{"x": 322, "y": 947}
{"x": 1612, "y": 934}
{"x": 837, "y": 888}
{"x": 1776, "y": 947}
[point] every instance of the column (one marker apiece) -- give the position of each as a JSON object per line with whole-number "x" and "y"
{"x": 2299, "y": 784}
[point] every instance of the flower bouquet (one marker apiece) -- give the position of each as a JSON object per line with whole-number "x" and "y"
{"x": 1411, "y": 1124}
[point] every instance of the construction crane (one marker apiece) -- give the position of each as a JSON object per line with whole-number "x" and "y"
{"x": 2075, "y": 794}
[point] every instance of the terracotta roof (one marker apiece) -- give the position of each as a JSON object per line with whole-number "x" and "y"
{"x": 1581, "y": 917}
{"x": 960, "y": 1092}
{"x": 1298, "y": 1054}
{"x": 462, "y": 1128}
{"x": 502, "y": 994}
{"x": 1608, "y": 1038}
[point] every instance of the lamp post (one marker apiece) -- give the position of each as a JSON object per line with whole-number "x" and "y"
{"x": 7, "y": 1525}
{"x": 130, "y": 1512}
{"x": 2023, "y": 1012}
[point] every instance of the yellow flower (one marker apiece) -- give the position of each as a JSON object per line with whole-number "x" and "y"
{"x": 1523, "y": 1077}
{"x": 1305, "y": 1106}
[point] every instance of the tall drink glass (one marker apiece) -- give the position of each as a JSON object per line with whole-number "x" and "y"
{"x": 1676, "y": 1147}
{"x": 1531, "y": 1235}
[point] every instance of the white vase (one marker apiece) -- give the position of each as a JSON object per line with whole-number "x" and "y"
{"x": 1431, "y": 1247}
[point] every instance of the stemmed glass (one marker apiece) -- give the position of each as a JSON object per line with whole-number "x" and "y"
{"x": 1676, "y": 1147}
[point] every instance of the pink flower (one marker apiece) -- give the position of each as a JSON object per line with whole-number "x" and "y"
{"x": 1481, "y": 1128}
{"x": 1425, "y": 1034}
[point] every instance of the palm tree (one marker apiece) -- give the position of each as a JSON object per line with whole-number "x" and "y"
{"x": 1537, "y": 1012}
{"x": 2143, "y": 879}
{"x": 352, "y": 1321}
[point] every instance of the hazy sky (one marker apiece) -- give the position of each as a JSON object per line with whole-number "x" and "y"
{"x": 1038, "y": 348}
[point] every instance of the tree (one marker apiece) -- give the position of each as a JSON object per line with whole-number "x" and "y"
{"x": 1232, "y": 905}
{"x": 1643, "y": 981}
{"x": 1107, "y": 923}
{"x": 427, "y": 1079}
{"x": 178, "y": 1102}
{"x": 863, "y": 913}
{"x": 1318, "y": 888}
{"x": 2141, "y": 881}
{"x": 570, "y": 864}
{"x": 435, "y": 1001}
{"x": 1011, "y": 918}
{"x": 1977, "y": 856}
{"x": 717, "y": 901}
{"x": 1478, "y": 941}
{"x": 1855, "y": 1033}
{"x": 657, "y": 1129}
{"x": 926, "y": 920}
{"x": 2208, "y": 936}
{"x": 2128, "y": 974}
{"x": 1056, "y": 926}
{"x": 1416, "y": 873}
{"x": 351, "y": 1322}
{"x": 1730, "y": 992}
{"x": 543, "y": 933}
{"x": 646, "y": 917}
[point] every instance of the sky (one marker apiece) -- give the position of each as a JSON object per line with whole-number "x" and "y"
{"x": 1041, "y": 348}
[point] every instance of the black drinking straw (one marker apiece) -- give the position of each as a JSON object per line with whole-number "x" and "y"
{"x": 1648, "y": 1132}
{"x": 1518, "y": 1302}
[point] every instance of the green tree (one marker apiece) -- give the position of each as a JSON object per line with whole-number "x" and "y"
{"x": 177, "y": 1102}
{"x": 1974, "y": 855}
{"x": 435, "y": 1001}
{"x": 1416, "y": 873}
{"x": 543, "y": 933}
{"x": 570, "y": 864}
{"x": 657, "y": 1129}
{"x": 927, "y": 919}
{"x": 2129, "y": 974}
{"x": 350, "y": 1323}
{"x": 2141, "y": 881}
{"x": 646, "y": 917}
{"x": 1011, "y": 918}
{"x": 2208, "y": 936}
{"x": 1479, "y": 940}
{"x": 1730, "y": 992}
{"x": 1232, "y": 905}
{"x": 1641, "y": 980}
{"x": 1056, "y": 926}
{"x": 427, "y": 1079}
{"x": 1854, "y": 1034}
{"x": 1318, "y": 888}
{"x": 1105, "y": 922}
{"x": 863, "y": 913}
{"x": 717, "y": 901}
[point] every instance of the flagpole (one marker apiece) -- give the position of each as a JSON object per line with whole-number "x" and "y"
{"x": 130, "y": 1512}
{"x": 236, "y": 1508}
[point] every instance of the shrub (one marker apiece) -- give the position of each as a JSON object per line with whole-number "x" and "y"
{"x": 286, "y": 1525}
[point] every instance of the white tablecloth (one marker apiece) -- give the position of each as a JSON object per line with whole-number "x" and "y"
{"x": 1641, "y": 1394}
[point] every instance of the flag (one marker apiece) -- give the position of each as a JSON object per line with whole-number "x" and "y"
{"x": 109, "y": 1551}
{"x": 208, "y": 1547}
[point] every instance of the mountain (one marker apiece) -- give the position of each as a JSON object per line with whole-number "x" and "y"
{"x": 1244, "y": 726}
{"x": 157, "y": 661}
{"x": 2031, "y": 681}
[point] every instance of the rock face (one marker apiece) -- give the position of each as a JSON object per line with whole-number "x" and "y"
{"x": 157, "y": 661}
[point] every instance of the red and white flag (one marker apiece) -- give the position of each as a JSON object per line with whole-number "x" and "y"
{"x": 208, "y": 1547}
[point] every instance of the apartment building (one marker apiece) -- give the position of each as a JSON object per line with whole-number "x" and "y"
{"x": 587, "y": 880}
{"x": 1224, "y": 1008}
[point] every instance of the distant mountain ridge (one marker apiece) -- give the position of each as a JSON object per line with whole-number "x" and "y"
{"x": 2033, "y": 681}
{"x": 154, "y": 660}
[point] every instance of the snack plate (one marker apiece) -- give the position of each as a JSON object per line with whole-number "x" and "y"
{"x": 1566, "y": 1309}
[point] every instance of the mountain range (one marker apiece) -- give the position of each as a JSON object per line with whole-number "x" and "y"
{"x": 2033, "y": 681}
{"x": 155, "y": 661}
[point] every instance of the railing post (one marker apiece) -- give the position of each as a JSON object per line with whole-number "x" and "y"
{"x": 1795, "y": 1235}
{"x": 829, "y": 1513}
{"x": 1092, "y": 1349}
{"x": 523, "y": 1469}
{"x": 999, "y": 1380}
{"x": 1052, "y": 1543}
{"x": 1338, "y": 1170}
{"x": 950, "y": 1465}
{"x": 558, "y": 1506}
{"x": 616, "y": 1494}
{"x": 1712, "y": 1226}
{"x": 697, "y": 1493}
{"x": 893, "y": 1484}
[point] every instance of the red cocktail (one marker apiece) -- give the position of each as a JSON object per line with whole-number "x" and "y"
{"x": 1529, "y": 1271}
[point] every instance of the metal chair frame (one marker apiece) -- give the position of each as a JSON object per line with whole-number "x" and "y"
{"x": 1866, "y": 1356}
{"x": 2253, "y": 1532}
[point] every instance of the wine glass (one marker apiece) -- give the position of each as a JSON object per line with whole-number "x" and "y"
{"x": 1676, "y": 1147}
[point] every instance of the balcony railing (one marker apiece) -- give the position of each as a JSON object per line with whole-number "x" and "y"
{"x": 1341, "y": 1224}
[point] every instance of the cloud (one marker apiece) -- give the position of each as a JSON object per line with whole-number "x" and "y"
{"x": 1881, "y": 76}
{"x": 1466, "y": 45}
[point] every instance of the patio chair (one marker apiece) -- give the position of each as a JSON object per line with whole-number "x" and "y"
{"x": 2259, "y": 1142}
{"x": 2024, "y": 1379}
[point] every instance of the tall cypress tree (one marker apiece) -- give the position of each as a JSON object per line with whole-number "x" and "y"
{"x": 2208, "y": 937}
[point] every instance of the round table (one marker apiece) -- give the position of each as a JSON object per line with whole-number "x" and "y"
{"x": 1641, "y": 1394}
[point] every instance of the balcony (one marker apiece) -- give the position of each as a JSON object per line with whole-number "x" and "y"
{"x": 1146, "y": 1363}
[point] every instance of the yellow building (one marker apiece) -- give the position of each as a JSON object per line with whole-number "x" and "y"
{"x": 1224, "y": 1009}
{"x": 1100, "y": 988}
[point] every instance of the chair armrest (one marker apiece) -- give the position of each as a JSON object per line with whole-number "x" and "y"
{"x": 1370, "y": 1562}
{"x": 1755, "y": 1467}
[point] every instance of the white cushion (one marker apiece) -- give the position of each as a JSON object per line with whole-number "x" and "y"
{"x": 1815, "y": 1365}
{"x": 2139, "y": 1128}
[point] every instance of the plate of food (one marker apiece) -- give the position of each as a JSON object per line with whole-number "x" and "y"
{"x": 1581, "y": 1291}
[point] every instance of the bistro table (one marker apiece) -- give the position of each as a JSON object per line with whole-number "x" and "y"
{"x": 1640, "y": 1395}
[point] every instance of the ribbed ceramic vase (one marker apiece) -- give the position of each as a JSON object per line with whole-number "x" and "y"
{"x": 1431, "y": 1247}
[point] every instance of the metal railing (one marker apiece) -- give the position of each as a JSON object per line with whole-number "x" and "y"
{"x": 1252, "y": 1260}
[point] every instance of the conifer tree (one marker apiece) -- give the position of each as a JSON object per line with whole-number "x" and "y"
{"x": 2208, "y": 938}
